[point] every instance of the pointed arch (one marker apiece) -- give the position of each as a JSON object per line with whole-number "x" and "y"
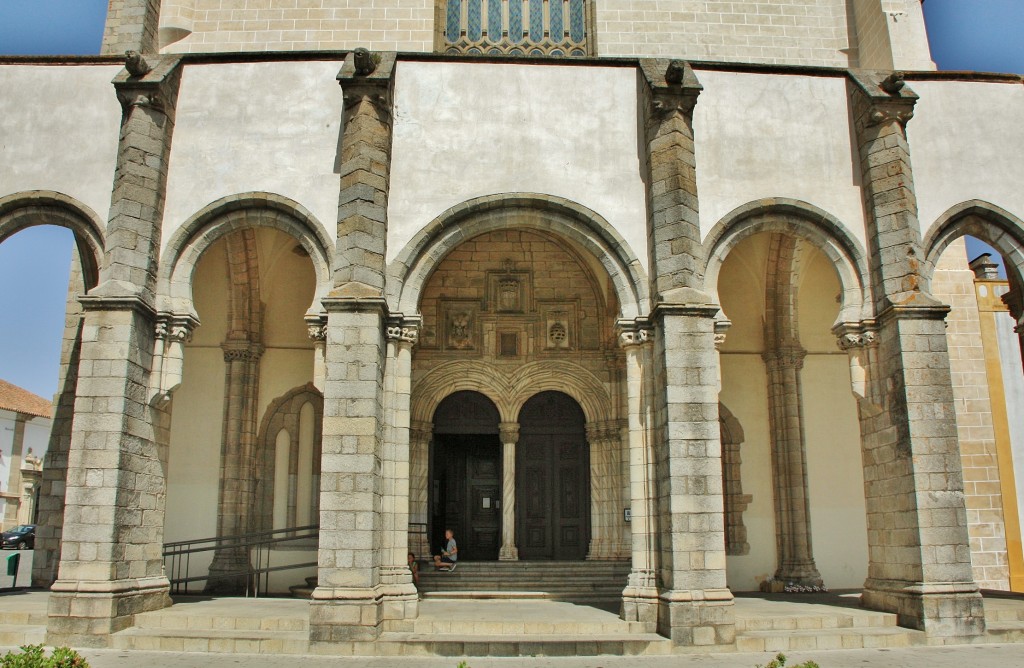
{"x": 226, "y": 215}
{"x": 806, "y": 221}
{"x": 30, "y": 208}
{"x": 992, "y": 224}
{"x": 411, "y": 268}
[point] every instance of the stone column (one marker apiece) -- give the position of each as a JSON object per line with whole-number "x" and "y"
{"x": 131, "y": 26}
{"x": 789, "y": 467}
{"x": 695, "y": 607}
{"x": 346, "y": 604}
{"x": 397, "y": 586}
{"x": 236, "y": 500}
{"x": 111, "y": 554}
{"x": 419, "y": 473}
{"x": 605, "y": 483}
{"x": 509, "y": 432}
{"x": 920, "y": 563}
{"x": 640, "y": 597}
{"x": 316, "y": 329}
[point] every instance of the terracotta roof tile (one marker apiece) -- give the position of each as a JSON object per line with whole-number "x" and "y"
{"x": 20, "y": 400}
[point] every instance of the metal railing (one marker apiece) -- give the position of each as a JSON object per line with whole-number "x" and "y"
{"x": 257, "y": 545}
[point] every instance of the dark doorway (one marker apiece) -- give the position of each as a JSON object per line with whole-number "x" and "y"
{"x": 552, "y": 480}
{"x": 465, "y": 488}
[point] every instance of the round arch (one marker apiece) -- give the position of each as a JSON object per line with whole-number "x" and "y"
{"x": 509, "y": 391}
{"x": 227, "y": 215}
{"x": 986, "y": 221}
{"x": 803, "y": 220}
{"x": 409, "y": 271}
{"x": 26, "y": 209}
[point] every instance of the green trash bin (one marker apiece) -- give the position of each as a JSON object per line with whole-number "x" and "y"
{"x": 13, "y": 562}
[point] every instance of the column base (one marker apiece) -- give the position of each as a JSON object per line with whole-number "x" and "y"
{"x": 357, "y": 614}
{"x": 640, "y": 599}
{"x": 698, "y": 618}
{"x": 508, "y": 553}
{"x": 229, "y": 573}
{"x": 803, "y": 574}
{"x": 940, "y": 609}
{"x": 399, "y": 598}
{"x": 84, "y": 613}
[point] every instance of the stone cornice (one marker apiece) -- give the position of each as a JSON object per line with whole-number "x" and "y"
{"x": 99, "y": 302}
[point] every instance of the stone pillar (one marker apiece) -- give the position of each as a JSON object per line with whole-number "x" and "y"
{"x": 920, "y": 563}
{"x": 397, "y": 586}
{"x": 605, "y": 465}
{"x": 131, "y": 26}
{"x": 236, "y": 500}
{"x": 111, "y": 554}
{"x": 640, "y": 597}
{"x": 694, "y": 605}
{"x": 419, "y": 473}
{"x": 316, "y": 328}
{"x": 509, "y": 432}
{"x": 346, "y": 604}
{"x": 789, "y": 467}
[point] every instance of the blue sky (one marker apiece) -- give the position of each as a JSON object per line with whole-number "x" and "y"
{"x": 965, "y": 35}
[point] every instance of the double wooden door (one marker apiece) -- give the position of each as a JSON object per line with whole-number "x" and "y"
{"x": 552, "y": 480}
{"x": 467, "y": 493}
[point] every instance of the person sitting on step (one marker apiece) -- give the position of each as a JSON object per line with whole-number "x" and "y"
{"x": 449, "y": 553}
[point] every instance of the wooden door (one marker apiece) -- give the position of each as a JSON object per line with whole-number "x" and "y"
{"x": 467, "y": 470}
{"x": 552, "y": 480}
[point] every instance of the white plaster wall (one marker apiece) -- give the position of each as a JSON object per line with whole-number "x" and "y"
{"x": 7, "y": 423}
{"x": 37, "y": 437}
{"x": 241, "y": 127}
{"x": 59, "y": 131}
{"x": 966, "y": 142}
{"x": 1013, "y": 387}
{"x": 465, "y": 130}
{"x": 835, "y": 473}
{"x": 743, "y": 392}
{"x": 763, "y": 136}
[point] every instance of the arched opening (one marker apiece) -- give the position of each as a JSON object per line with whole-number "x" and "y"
{"x": 786, "y": 381}
{"x": 983, "y": 289}
{"x": 553, "y": 470}
{"x": 247, "y": 376}
{"x": 465, "y": 474}
{"x": 51, "y": 247}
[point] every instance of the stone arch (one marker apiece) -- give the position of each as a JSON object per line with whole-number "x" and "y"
{"x": 510, "y": 390}
{"x": 227, "y": 215}
{"x": 284, "y": 413}
{"x": 986, "y": 221}
{"x": 410, "y": 270}
{"x": 26, "y": 209}
{"x": 807, "y": 222}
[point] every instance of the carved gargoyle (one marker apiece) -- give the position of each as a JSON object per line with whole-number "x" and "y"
{"x": 675, "y": 71}
{"x": 893, "y": 83}
{"x": 364, "y": 61}
{"x": 136, "y": 64}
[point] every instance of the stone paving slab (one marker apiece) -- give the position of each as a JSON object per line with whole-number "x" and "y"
{"x": 975, "y": 656}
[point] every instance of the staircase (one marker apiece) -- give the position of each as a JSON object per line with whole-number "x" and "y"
{"x": 574, "y": 581}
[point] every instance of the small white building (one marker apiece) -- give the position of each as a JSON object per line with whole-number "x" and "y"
{"x": 25, "y": 422}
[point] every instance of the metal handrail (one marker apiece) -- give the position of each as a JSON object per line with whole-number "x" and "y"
{"x": 257, "y": 575}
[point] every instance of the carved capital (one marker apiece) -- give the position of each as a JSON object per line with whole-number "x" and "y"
{"x": 880, "y": 114}
{"x": 674, "y": 87}
{"x": 144, "y": 84}
{"x": 316, "y": 330}
{"x": 788, "y": 357}
{"x": 242, "y": 352}
{"x": 400, "y": 333}
{"x": 849, "y": 340}
{"x": 634, "y": 332}
{"x": 509, "y": 432}
{"x": 366, "y": 77}
{"x": 882, "y": 98}
{"x": 175, "y": 328}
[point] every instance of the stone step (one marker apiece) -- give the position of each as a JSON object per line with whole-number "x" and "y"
{"x": 811, "y": 621}
{"x": 16, "y": 635}
{"x": 822, "y": 639}
{"x": 497, "y": 645}
{"x": 255, "y": 641}
{"x": 1004, "y": 609}
{"x": 23, "y": 618}
{"x": 531, "y": 628}
{"x": 1005, "y": 631}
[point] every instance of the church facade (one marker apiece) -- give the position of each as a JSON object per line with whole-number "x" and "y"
{"x": 580, "y": 280}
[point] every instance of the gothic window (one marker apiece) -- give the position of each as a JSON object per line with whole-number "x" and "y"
{"x": 515, "y": 27}
{"x": 289, "y": 465}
